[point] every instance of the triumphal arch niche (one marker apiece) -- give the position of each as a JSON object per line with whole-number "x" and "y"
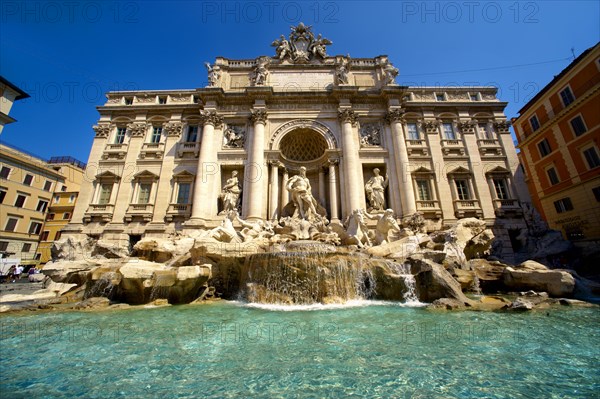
{"x": 359, "y": 139}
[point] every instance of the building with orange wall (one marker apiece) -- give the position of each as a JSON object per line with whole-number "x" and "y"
{"x": 558, "y": 132}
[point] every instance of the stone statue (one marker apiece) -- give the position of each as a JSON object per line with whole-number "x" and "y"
{"x": 375, "y": 188}
{"x": 234, "y": 137}
{"x": 300, "y": 190}
{"x": 390, "y": 72}
{"x": 341, "y": 72}
{"x": 214, "y": 74}
{"x": 283, "y": 48}
{"x": 317, "y": 47}
{"x": 257, "y": 229}
{"x": 385, "y": 223}
{"x": 230, "y": 195}
{"x": 357, "y": 230}
{"x": 261, "y": 72}
{"x": 226, "y": 232}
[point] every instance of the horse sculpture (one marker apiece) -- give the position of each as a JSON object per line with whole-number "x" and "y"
{"x": 356, "y": 228}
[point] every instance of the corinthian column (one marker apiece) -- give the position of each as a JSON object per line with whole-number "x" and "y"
{"x": 207, "y": 169}
{"x": 255, "y": 170}
{"x": 333, "y": 199}
{"x": 274, "y": 197}
{"x": 407, "y": 195}
{"x": 351, "y": 163}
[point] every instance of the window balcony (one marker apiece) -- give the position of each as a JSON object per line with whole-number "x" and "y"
{"x": 178, "y": 211}
{"x": 139, "y": 211}
{"x": 188, "y": 150}
{"x": 467, "y": 208}
{"x": 103, "y": 212}
{"x": 453, "y": 147}
{"x": 417, "y": 147}
{"x": 152, "y": 150}
{"x": 489, "y": 147}
{"x": 114, "y": 151}
{"x": 507, "y": 207}
{"x": 430, "y": 209}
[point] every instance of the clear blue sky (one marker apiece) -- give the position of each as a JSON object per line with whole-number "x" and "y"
{"x": 67, "y": 54}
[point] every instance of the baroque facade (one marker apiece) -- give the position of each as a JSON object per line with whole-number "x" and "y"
{"x": 164, "y": 161}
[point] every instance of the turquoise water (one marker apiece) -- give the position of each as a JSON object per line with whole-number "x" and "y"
{"x": 229, "y": 350}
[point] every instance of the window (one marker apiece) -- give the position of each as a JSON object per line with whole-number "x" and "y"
{"x": 56, "y": 199}
{"x": 2, "y": 195}
{"x": 449, "y": 131}
{"x": 63, "y": 188}
{"x": 440, "y": 97}
{"x": 563, "y": 205}
{"x": 484, "y": 131}
{"x": 66, "y": 216}
{"x": 474, "y": 97}
{"x": 128, "y": 100}
{"x": 156, "y": 133}
{"x": 535, "y": 124}
{"x": 144, "y": 193}
{"x": 162, "y": 100}
{"x": 596, "y": 192}
{"x": 35, "y": 227}
{"x": 544, "y": 148}
{"x": 72, "y": 198}
{"x": 192, "y": 134}
{"x": 50, "y": 216}
{"x": 105, "y": 192}
{"x": 423, "y": 190}
{"x": 501, "y": 189}
{"x": 47, "y": 185}
{"x": 4, "y": 172}
{"x": 57, "y": 236}
{"x": 3, "y": 246}
{"x": 591, "y": 157}
{"x": 20, "y": 201}
{"x": 183, "y": 193}
{"x": 26, "y": 247}
{"x": 120, "y": 137}
{"x": 567, "y": 96}
{"x": 462, "y": 189}
{"x": 44, "y": 236}
{"x": 552, "y": 176}
{"x": 41, "y": 206}
{"x": 413, "y": 131}
{"x": 11, "y": 224}
{"x": 28, "y": 179}
{"x": 578, "y": 126}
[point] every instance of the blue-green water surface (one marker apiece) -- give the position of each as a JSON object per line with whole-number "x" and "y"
{"x": 228, "y": 350}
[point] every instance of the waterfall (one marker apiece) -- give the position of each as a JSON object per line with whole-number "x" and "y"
{"x": 104, "y": 286}
{"x": 403, "y": 270}
{"x": 160, "y": 287}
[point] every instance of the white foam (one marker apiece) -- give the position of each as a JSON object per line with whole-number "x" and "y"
{"x": 319, "y": 306}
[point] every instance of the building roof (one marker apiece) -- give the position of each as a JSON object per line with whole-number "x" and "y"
{"x": 557, "y": 78}
{"x": 21, "y": 94}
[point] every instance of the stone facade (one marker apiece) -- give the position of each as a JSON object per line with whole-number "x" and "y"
{"x": 159, "y": 159}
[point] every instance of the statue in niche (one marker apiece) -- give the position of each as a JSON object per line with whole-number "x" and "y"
{"x": 234, "y": 137}
{"x": 230, "y": 195}
{"x": 370, "y": 135}
{"x": 300, "y": 190}
{"x": 375, "y": 189}
{"x": 261, "y": 72}
{"x": 214, "y": 74}
{"x": 283, "y": 48}
{"x": 341, "y": 72}
{"x": 386, "y": 223}
{"x": 226, "y": 232}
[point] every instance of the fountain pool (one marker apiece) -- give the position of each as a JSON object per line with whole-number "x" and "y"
{"x": 362, "y": 349}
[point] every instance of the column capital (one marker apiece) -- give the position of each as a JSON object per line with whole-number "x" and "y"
{"x": 173, "y": 129}
{"x": 211, "y": 118}
{"x": 467, "y": 127}
{"x": 347, "y": 115}
{"x": 276, "y": 163}
{"x": 431, "y": 126}
{"x": 395, "y": 115}
{"x": 333, "y": 162}
{"x": 137, "y": 129}
{"x": 258, "y": 116}
{"x": 502, "y": 126}
{"x": 102, "y": 130}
